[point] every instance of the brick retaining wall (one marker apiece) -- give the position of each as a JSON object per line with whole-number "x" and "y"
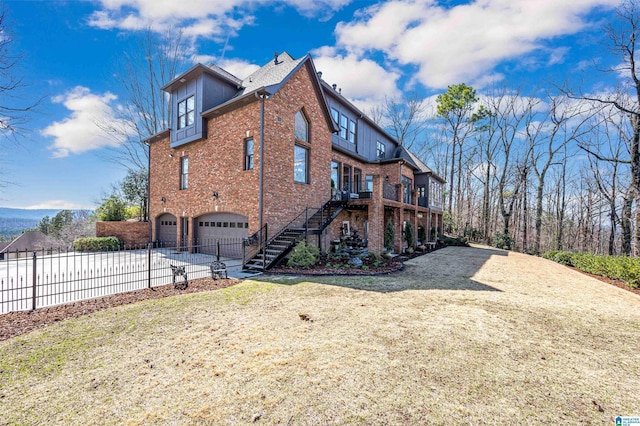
{"x": 132, "y": 233}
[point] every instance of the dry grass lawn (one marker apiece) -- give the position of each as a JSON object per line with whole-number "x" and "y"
{"x": 461, "y": 336}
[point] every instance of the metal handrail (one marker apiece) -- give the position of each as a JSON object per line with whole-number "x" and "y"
{"x": 304, "y": 212}
{"x": 260, "y": 236}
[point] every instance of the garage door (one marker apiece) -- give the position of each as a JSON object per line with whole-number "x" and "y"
{"x": 224, "y": 229}
{"x": 166, "y": 229}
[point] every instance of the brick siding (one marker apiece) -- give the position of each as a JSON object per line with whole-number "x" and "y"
{"x": 134, "y": 234}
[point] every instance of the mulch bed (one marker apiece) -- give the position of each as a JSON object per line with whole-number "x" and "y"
{"x": 389, "y": 267}
{"x": 16, "y": 323}
{"x": 617, "y": 283}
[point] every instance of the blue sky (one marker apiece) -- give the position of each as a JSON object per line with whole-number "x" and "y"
{"x": 371, "y": 50}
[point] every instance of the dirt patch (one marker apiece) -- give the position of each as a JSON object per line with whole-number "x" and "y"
{"x": 16, "y": 323}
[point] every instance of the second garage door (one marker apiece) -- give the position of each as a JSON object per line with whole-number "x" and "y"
{"x": 228, "y": 229}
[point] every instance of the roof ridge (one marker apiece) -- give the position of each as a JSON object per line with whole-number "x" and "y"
{"x": 220, "y": 70}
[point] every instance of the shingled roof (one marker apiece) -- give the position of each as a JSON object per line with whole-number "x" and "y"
{"x": 272, "y": 75}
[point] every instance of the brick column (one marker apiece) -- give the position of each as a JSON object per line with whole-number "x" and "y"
{"x": 376, "y": 218}
{"x": 397, "y": 225}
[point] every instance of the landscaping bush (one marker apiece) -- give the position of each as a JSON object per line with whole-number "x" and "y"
{"x": 422, "y": 234}
{"x": 503, "y": 241}
{"x": 97, "y": 244}
{"x": 622, "y": 268}
{"x": 562, "y": 257}
{"x": 408, "y": 235}
{"x": 304, "y": 255}
{"x": 457, "y": 241}
{"x": 389, "y": 235}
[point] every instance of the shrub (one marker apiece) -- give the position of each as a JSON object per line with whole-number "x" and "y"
{"x": 112, "y": 210}
{"x": 389, "y": 236}
{"x": 408, "y": 234}
{"x": 622, "y": 268}
{"x": 133, "y": 212}
{"x": 422, "y": 234}
{"x": 373, "y": 257}
{"x": 562, "y": 257}
{"x": 457, "y": 241}
{"x": 503, "y": 241}
{"x": 304, "y": 255}
{"x": 97, "y": 244}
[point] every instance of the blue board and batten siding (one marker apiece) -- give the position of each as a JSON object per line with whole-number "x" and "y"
{"x": 195, "y": 131}
{"x": 367, "y": 136}
{"x": 208, "y": 92}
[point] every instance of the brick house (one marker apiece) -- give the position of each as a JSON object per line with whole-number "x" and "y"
{"x": 327, "y": 169}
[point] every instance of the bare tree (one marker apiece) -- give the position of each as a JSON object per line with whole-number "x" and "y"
{"x": 623, "y": 34}
{"x": 511, "y": 113}
{"x": 16, "y": 107}
{"x": 406, "y": 118}
{"x": 548, "y": 136}
{"x": 153, "y": 60}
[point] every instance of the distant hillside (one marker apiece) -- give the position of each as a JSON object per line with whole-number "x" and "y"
{"x": 14, "y": 221}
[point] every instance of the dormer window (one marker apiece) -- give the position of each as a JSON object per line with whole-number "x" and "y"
{"x": 186, "y": 112}
{"x": 380, "y": 150}
{"x": 301, "y": 127}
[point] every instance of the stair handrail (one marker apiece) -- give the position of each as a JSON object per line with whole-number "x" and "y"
{"x": 259, "y": 239}
{"x": 305, "y": 225}
{"x": 304, "y": 212}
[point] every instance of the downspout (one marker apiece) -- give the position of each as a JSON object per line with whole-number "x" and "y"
{"x": 261, "y": 173}
{"x": 148, "y": 212}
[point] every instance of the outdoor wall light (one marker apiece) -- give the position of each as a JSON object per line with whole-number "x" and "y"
{"x": 163, "y": 200}
{"x": 215, "y": 195}
{"x": 386, "y": 178}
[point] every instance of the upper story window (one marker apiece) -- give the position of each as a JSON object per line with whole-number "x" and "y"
{"x": 184, "y": 172}
{"x": 301, "y": 127}
{"x": 435, "y": 193}
{"x": 248, "y": 154}
{"x": 335, "y": 175}
{"x": 186, "y": 112}
{"x": 368, "y": 183}
{"x": 380, "y": 150}
{"x": 408, "y": 189}
{"x": 351, "y": 135}
{"x": 300, "y": 164}
{"x": 346, "y": 124}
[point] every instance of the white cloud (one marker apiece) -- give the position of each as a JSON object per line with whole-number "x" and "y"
{"x": 198, "y": 18}
{"x": 238, "y": 67}
{"x": 363, "y": 81}
{"x": 81, "y": 131}
{"x": 58, "y": 204}
{"x": 465, "y": 42}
